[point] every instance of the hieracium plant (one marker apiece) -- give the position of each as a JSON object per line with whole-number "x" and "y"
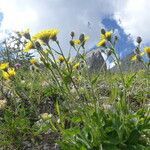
{"x": 58, "y": 97}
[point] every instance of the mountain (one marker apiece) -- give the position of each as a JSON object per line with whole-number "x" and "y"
{"x": 128, "y": 65}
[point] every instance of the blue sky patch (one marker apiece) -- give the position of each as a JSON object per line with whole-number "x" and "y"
{"x": 125, "y": 44}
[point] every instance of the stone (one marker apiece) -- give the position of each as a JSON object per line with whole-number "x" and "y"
{"x": 96, "y": 61}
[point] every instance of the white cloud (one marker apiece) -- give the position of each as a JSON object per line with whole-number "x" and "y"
{"x": 134, "y": 18}
{"x": 67, "y": 15}
{"x": 74, "y": 15}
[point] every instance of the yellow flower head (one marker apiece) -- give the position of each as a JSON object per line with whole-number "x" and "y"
{"x": 61, "y": 59}
{"x": 108, "y": 35}
{"x": 101, "y": 42}
{"x": 135, "y": 56}
{"x": 76, "y": 42}
{"x": 2, "y": 104}
{"x": 4, "y": 66}
{"x": 103, "y": 36}
{"x": 5, "y": 75}
{"x": 28, "y": 46}
{"x": 76, "y": 66}
{"x": 46, "y": 35}
{"x": 11, "y": 72}
{"x": 33, "y": 61}
{"x": 86, "y": 38}
{"x": 147, "y": 50}
{"x": 46, "y": 116}
{"x": 45, "y": 51}
{"x": 82, "y": 39}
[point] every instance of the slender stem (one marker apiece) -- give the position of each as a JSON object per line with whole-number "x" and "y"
{"x": 68, "y": 69}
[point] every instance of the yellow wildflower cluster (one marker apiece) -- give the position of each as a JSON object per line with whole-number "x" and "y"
{"x": 46, "y": 35}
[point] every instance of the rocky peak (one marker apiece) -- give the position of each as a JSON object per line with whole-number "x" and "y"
{"x": 96, "y": 61}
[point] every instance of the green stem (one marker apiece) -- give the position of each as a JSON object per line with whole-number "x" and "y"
{"x": 68, "y": 69}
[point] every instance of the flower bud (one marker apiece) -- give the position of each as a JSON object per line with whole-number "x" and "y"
{"x": 116, "y": 38}
{"x": 103, "y": 31}
{"x": 72, "y": 34}
{"x": 54, "y": 38}
{"x": 139, "y": 40}
{"x": 72, "y": 43}
{"x": 81, "y": 38}
{"x": 38, "y": 45}
{"x": 109, "y": 53}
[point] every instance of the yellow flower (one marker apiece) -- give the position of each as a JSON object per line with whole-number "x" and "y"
{"x": 82, "y": 39}
{"x": 108, "y": 35}
{"x": 5, "y": 75}
{"x": 76, "y": 66}
{"x": 61, "y": 59}
{"x": 2, "y": 104}
{"x": 103, "y": 36}
{"x": 11, "y": 72}
{"x": 76, "y": 42}
{"x": 33, "y": 61}
{"x": 46, "y": 116}
{"x": 28, "y": 46}
{"x": 4, "y": 66}
{"x": 147, "y": 50}
{"x": 45, "y": 51}
{"x": 46, "y": 35}
{"x": 101, "y": 43}
{"x": 86, "y": 38}
{"x": 135, "y": 56}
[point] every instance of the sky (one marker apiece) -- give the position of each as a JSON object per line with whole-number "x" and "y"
{"x": 129, "y": 18}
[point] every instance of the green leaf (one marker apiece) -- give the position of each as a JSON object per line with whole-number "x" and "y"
{"x": 71, "y": 132}
{"x": 95, "y": 79}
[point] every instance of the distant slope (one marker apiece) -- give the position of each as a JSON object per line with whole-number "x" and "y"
{"x": 128, "y": 65}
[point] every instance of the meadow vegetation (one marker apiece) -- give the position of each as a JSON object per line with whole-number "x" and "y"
{"x": 55, "y": 100}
